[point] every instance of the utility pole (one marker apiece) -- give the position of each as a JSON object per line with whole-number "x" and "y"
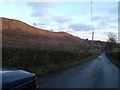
{"x": 92, "y": 25}
{"x": 92, "y": 38}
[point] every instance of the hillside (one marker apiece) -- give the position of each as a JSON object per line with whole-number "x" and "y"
{"x": 18, "y": 34}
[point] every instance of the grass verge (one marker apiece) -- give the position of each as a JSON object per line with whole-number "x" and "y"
{"x": 114, "y": 57}
{"x": 46, "y": 69}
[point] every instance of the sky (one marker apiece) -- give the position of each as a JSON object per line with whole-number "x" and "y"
{"x": 71, "y": 17}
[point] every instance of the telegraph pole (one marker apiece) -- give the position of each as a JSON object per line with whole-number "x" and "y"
{"x": 92, "y": 25}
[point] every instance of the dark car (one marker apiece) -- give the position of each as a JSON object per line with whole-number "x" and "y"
{"x": 13, "y": 78}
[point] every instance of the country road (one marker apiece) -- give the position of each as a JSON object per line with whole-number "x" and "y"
{"x": 97, "y": 73}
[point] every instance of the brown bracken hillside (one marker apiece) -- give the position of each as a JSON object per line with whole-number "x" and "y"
{"x": 21, "y": 35}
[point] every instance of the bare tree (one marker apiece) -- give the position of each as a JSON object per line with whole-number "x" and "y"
{"x": 112, "y": 37}
{"x": 111, "y": 42}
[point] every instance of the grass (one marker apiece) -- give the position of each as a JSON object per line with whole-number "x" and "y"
{"x": 114, "y": 61}
{"x": 43, "y": 61}
{"x": 91, "y": 51}
{"x": 94, "y": 51}
{"x": 116, "y": 50}
{"x": 114, "y": 56}
{"x": 46, "y": 69}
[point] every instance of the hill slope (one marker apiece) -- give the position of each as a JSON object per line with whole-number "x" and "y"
{"x": 21, "y": 35}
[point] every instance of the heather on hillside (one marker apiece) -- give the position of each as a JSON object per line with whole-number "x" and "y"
{"x": 18, "y": 34}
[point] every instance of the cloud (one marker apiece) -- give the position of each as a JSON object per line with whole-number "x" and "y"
{"x": 104, "y": 22}
{"x": 102, "y": 25}
{"x": 105, "y": 19}
{"x": 99, "y": 18}
{"x": 80, "y": 27}
{"x": 113, "y": 10}
{"x": 39, "y": 14}
{"x": 39, "y": 5}
{"x": 40, "y": 8}
{"x": 113, "y": 27}
{"x": 61, "y": 19}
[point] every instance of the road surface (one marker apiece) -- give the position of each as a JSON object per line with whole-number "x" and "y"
{"x": 97, "y": 73}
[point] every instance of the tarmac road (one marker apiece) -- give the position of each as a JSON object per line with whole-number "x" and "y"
{"x": 97, "y": 73}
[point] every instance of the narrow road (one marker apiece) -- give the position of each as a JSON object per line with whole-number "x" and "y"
{"x": 97, "y": 73}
